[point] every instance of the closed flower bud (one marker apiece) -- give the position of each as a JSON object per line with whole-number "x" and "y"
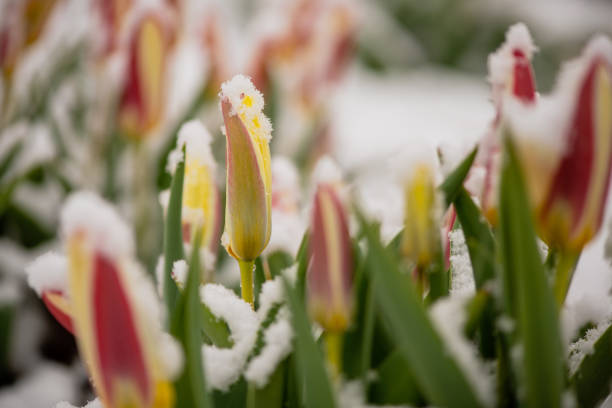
{"x": 142, "y": 101}
{"x": 249, "y": 178}
{"x": 511, "y": 77}
{"x": 330, "y": 271}
{"x": 115, "y": 312}
{"x": 572, "y": 210}
{"x": 421, "y": 236}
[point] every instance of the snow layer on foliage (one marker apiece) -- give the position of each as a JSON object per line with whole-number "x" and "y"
{"x": 85, "y": 212}
{"x": 352, "y": 395}
{"x": 172, "y": 358}
{"x": 41, "y": 201}
{"x": 159, "y": 275}
{"x": 584, "y": 346}
{"x": 48, "y": 272}
{"x": 501, "y": 62}
{"x": 326, "y": 171}
{"x": 42, "y": 387}
{"x": 235, "y": 90}
{"x": 38, "y": 148}
{"x": 11, "y": 136}
{"x": 223, "y": 366}
{"x": 277, "y": 337}
{"x": 196, "y": 139}
{"x": 462, "y": 279}
{"x": 583, "y": 310}
{"x": 448, "y": 316}
{"x": 179, "y": 272}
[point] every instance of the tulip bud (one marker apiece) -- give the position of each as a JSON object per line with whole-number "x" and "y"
{"x": 511, "y": 76}
{"x": 249, "y": 178}
{"x": 141, "y": 106}
{"x": 421, "y": 236}
{"x": 572, "y": 210}
{"x": 115, "y": 312}
{"x": 330, "y": 271}
{"x": 201, "y": 204}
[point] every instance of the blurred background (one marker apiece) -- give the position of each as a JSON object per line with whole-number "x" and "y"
{"x": 92, "y": 93}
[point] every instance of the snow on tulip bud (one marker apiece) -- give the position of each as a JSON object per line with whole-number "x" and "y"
{"x": 142, "y": 101}
{"x": 330, "y": 271}
{"x": 572, "y": 209}
{"x": 201, "y": 203}
{"x": 421, "y": 236}
{"x": 48, "y": 276}
{"x": 115, "y": 313}
{"x": 249, "y": 177}
{"x": 511, "y": 77}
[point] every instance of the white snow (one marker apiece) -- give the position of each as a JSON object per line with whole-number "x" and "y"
{"x": 448, "y": 316}
{"x": 501, "y": 62}
{"x": 584, "y": 346}
{"x": 85, "y": 212}
{"x": 235, "y": 90}
{"x": 196, "y": 139}
{"x": 582, "y": 310}
{"x": 95, "y": 403}
{"x": 179, "y": 272}
{"x": 287, "y": 232}
{"x": 171, "y": 356}
{"x": 462, "y": 279}
{"x": 326, "y": 171}
{"x": 223, "y": 366}
{"x": 48, "y": 272}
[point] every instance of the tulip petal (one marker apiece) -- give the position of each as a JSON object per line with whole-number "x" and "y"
{"x": 248, "y": 183}
{"x": 57, "y": 304}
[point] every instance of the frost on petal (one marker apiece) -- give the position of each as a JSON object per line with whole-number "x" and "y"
{"x": 223, "y": 366}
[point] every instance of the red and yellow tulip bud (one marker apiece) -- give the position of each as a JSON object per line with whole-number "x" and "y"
{"x": 249, "y": 178}
{"x": 201, "y": 203}
{"x": 421, "y": 237}
{"x": 511, "y": 77}
{"x": 142, "y": 102}
{"x": 115, "y": 312}
{"x": 330, "y": 271}
{"x": 572, "y": 210}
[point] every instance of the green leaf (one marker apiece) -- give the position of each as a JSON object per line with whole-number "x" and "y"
{"x": 453, "y": 183}
{"x": 186, "y": 328}
{"x": 173, "y": 236}
{"x": 395, "y": 384}
{"x": 594, "y": 374}
{"x": 215, "y": 329}
{"x": 439, "y": 376}
{"x": 535, "y": 308}
{"x": 316, "y": 391}
{"x": 271, "y": 395}
{"x": 302, "y": 261}
{"x": 478, "y": 237}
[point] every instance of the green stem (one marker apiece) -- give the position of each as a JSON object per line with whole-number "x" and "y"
{"x": 246, "y": 280}
{"x": 564, "y": 271}
{"x": 333, "y": 345}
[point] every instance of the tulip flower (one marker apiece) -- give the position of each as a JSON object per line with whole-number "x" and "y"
{"x": 115, "y": 313}
{"x": 511, "y": 77}
{"x": 330, "y": 271}
{"x": 112, "y": 14}
{"x": 141, "y": 105}
{"x": 249, "y": 177}
{"x": 201, "y": 204}
{"x": 421, "y": 236}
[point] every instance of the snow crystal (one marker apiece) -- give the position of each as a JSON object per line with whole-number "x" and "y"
{"x": 235, "y": 90}
{"x": 223, "y": 366}
{"x": 272, "y": 292}
{"x": 462, "y": 279}
{"x": 179, "y": 272}
{"x": 48, "y": 272}
{"x": 448, "y": 316}
{"x": 196, "y": 139}
{"x": 501, "y": 62}
{"x": 586, "y": 309}
{"x": 584, "y": 346}
{"x": 88, "y": 213}
{"x": 278, "y": 341}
